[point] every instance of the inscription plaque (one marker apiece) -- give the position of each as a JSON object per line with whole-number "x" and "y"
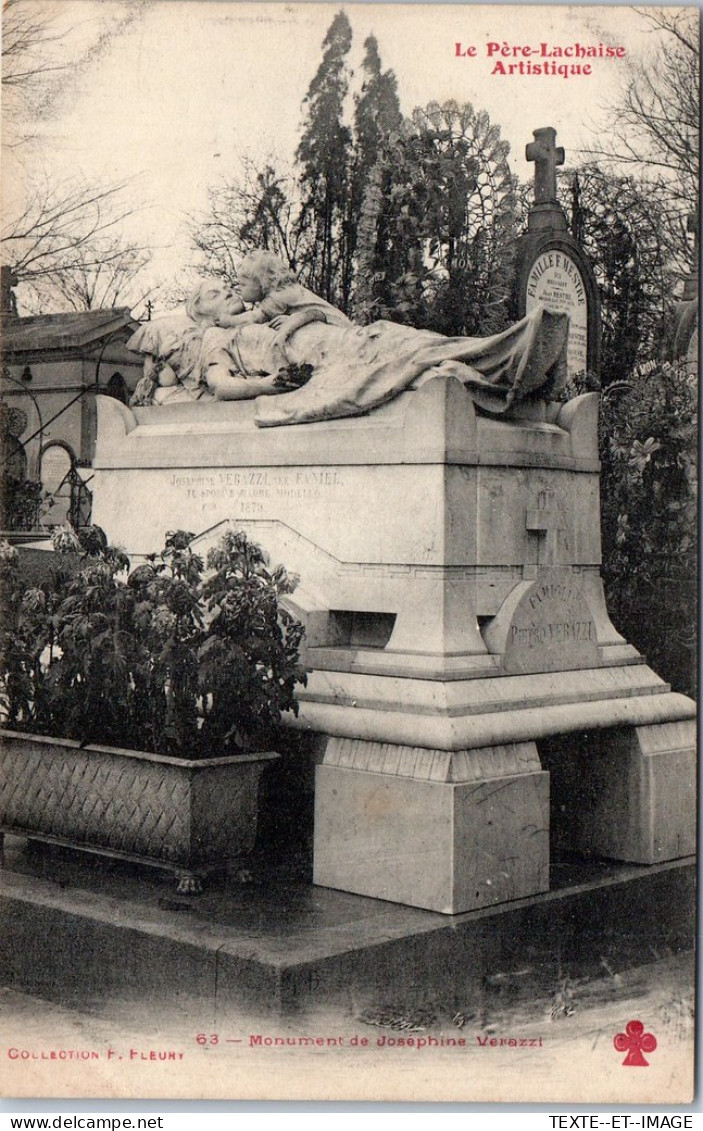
{"x": 555, "y": 282}
{"x": 251, "y": 489}
{"x": 551, "y": 630}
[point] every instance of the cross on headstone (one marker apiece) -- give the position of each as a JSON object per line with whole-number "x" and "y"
{"x": 546, "y": 156}
{"x": 545, "y": 522}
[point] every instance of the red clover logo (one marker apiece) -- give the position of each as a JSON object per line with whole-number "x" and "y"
{"x": 634, "y": 1041}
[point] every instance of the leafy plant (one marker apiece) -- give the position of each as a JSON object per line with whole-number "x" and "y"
{"x": 168, "y": 658}
{"x": 250, "y": 653}
{"x": 649, "y": 514}
{"x": 620, "y": 223}
{"x": 21, "y": 500}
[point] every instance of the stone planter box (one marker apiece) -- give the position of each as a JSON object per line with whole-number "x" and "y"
{"x": 190, "y": 817}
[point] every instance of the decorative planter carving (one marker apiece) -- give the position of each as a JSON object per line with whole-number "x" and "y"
{"x": 191, "y": 817}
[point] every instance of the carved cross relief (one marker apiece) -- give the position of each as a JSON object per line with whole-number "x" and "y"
{"x": 544, "y": 522}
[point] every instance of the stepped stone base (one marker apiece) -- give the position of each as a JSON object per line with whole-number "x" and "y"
{"x": 463, "y": 822}
{"x": 452, "y": 600}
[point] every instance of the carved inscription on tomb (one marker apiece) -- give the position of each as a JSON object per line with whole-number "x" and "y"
{"x": 555, "y": 282}
{"x": 551, "y": 630}
{"x": 254, "y": 489}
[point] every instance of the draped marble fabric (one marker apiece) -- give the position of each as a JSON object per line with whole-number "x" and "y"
{"x": 357, "y": 369}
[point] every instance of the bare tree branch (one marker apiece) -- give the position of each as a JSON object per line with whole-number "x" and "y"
{"x": 28, "y": 30}
{"x": 98, "y": 276}
{"x": 58, "y": 221}
{"x": 655, "y": 124}
{"x": 654, "y": 128}
{"x": 257, "y": 209}
{"x": 676, "y": 22}
{"x": 30, "y": 43}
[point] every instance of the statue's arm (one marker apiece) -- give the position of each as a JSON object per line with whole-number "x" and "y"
{"x": 228, "y": 387}
{"x": 157, "y": 374}
{"x": 287, "y": 324}
{"x": 249, "y": 316}
{"x": 160, "y": 371}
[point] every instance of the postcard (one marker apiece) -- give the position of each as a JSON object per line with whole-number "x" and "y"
{"x": 348, "y": 574}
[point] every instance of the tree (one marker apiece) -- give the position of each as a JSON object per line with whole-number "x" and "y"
{"x": 256, "y": 210}
{"x": 28, "y": 35}
{"x": 38, "y": 48}
{"x": 376, "y": 109}
{"x": 324, "y": 156}
{"x": 619, "y": 224}
{"x": 376, "y": 117}
{"x": 310, "y": 219}
{"x": 95, "y": 277}
{"x": 658, "y": 121}
{"x": 654, "y": 128}
{"x": 439, "y": 224}
{"x": 648, "y": 442}
{"x": 61, "y": 239}
{"x": 416, "y": 221}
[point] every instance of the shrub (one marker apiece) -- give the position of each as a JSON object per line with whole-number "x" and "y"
{"x": 21, "y": 501}
{"x": 167, "y": 658}
{"x": 649, "y": 515}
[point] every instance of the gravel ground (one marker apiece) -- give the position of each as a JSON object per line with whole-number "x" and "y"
{"x": 556, "y": 1049}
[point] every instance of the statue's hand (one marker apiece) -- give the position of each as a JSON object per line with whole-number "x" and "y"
{"x": 292, "y": 377}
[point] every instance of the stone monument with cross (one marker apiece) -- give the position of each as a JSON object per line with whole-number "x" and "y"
{"x": 546, "y": 156}
{"x": 466, "y": 688}
{"x": 552, "y": 268}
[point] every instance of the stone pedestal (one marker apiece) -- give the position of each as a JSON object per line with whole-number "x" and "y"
{"x": 456, "y": 629}
{"x": 447, "y": 832}
{"x": 627, "y": 793}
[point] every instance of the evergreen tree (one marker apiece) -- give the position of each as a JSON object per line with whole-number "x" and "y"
{"x": 324, "y": 156}
{"x": 618, "y": 222}
{"x": 377, "y": 109}
{"x": 439, "y": 224}
{"x": 376, "y": 117}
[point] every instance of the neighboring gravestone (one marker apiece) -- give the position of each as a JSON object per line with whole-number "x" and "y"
{"x": 57, "y": 463}
{"x": 552, "y": 268}
{"x": 685, "y": 327}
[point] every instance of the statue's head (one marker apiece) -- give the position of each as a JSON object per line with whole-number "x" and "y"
{"x": 214, "y": 302}
{"x": 261, "y": 272}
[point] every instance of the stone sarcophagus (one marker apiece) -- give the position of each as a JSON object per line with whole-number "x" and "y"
{"x": 456, "y": 631}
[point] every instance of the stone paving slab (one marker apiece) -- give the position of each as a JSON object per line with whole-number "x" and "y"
{"x": 74, "y": 927}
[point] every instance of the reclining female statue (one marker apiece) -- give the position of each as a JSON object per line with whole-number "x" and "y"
{"x": 172, "y": 348}
{"x": 358, "y": 368}
{"x": 263, "y": 351}
{"x": 172, "y": 345}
